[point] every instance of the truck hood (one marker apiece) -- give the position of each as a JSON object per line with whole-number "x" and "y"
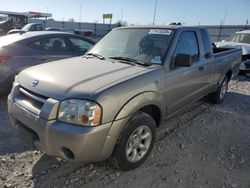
{"x": 75, "y": 77}
{"x": 245, "y": 47}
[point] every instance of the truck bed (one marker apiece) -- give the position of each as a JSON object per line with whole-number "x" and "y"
{"x": 224, "y": 57}
{"x": 226, "y": 53}
{"x": 218, "y": 52}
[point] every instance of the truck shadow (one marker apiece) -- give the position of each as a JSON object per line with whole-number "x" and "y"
{"x": 51, "y": 171}
{"x": 234, "y": 103}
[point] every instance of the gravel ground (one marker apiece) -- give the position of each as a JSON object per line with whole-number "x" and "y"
{"x": 204, "y": 146}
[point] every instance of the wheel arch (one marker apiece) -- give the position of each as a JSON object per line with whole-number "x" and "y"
{"x": 228, "y": 74}
{"x": 147, "y": 102}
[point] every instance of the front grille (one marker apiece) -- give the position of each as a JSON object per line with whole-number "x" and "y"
{"x": 30, "y": 100}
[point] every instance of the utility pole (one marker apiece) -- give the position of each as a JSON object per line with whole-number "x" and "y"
{"x": 224, "y": 19}
{"x": 154, "y": 12}
{"x": 80, "y": 13}
{"x": 80, "y": 27}
{"x": 221, "y": 22}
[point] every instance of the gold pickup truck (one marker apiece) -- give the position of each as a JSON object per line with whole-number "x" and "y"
{"x": 109, "y": 102}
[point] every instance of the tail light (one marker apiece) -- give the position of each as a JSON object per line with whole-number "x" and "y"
{"x": 4, "y": 59}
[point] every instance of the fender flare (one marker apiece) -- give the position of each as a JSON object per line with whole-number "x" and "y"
{"x": 139, "y": 101}
{"x": 222, "y": 78}
{"x": 128, "y": 109}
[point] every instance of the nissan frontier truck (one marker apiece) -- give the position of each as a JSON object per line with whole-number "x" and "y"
{"x": 109, "y": 102}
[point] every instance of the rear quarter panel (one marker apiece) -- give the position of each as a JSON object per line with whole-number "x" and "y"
{"x": 227, "y": 61}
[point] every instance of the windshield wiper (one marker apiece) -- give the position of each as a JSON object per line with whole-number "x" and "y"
{"x": 128, "y": 60}
{"x": 95, "y": 55}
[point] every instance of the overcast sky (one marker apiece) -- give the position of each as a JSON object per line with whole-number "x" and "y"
{"x": 190, "y": 12}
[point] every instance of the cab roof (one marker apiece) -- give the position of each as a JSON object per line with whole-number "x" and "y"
{"x": 173, "y": 27}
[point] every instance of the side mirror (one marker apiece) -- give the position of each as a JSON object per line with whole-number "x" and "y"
{"x": 183, "y": 60}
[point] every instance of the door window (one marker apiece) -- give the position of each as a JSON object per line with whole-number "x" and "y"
{"x": 50, "y": 44}
{"x": 188, "y": 44}
{"x": 80, "y": 45}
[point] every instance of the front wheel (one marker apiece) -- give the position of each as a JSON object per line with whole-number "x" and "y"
{"x": 135, "y": 142}
{"x": 220, "y": 93}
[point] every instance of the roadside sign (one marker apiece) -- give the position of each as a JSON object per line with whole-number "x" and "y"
{"x": 107, "y": 16}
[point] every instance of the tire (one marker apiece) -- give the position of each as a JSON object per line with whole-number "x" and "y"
{"x": 221, "y": 92}
{"x": 135, "y": 142}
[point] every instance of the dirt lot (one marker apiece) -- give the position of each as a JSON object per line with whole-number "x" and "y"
{"x": 204, "y": 146}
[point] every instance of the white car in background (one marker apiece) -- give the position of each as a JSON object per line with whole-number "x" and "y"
{"x": 240, "y": 39}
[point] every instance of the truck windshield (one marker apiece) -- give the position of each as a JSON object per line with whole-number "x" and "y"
{"x": 143, "y": 45}
{"x": 240, "y": 37}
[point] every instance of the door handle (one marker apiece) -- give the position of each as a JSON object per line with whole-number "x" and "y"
{"x": 201, "y": 68}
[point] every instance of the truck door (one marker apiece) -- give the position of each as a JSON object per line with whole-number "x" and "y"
{"x": 184, "y": 83}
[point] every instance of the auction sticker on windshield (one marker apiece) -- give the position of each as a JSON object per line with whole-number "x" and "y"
{"x": 160, "y": 31}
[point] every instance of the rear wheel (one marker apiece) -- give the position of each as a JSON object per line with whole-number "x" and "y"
{"x": 221, "y": 92}
{"x": 135, "y": 142}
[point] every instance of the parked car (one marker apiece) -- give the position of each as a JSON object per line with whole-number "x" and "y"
{"x": 28, "y": 27}
{"x": 83, "y": 32}
{"x": 54, "y": 29}
{"x": 110, "y": 101}
{"x": 19, "y": 51}
{"x": 240, "y": 40}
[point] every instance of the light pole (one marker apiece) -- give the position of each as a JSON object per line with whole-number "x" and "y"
{"x": 154, "y": 12}
{"x": 80, "y": 16}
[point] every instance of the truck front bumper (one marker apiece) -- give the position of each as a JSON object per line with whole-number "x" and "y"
{"x": 60, "y": 139}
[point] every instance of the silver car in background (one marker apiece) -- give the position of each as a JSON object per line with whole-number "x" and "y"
{"x": 241, "y": 40}
{"x": 27, "y": 28}
{"x": 22, "y": 50}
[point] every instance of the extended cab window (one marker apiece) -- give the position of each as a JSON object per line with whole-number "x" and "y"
{"x": 206, "y": 43}
{"x": 188, "y": 45}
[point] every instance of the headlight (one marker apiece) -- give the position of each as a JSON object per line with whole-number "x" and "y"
{"x": 80, "y": 112}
